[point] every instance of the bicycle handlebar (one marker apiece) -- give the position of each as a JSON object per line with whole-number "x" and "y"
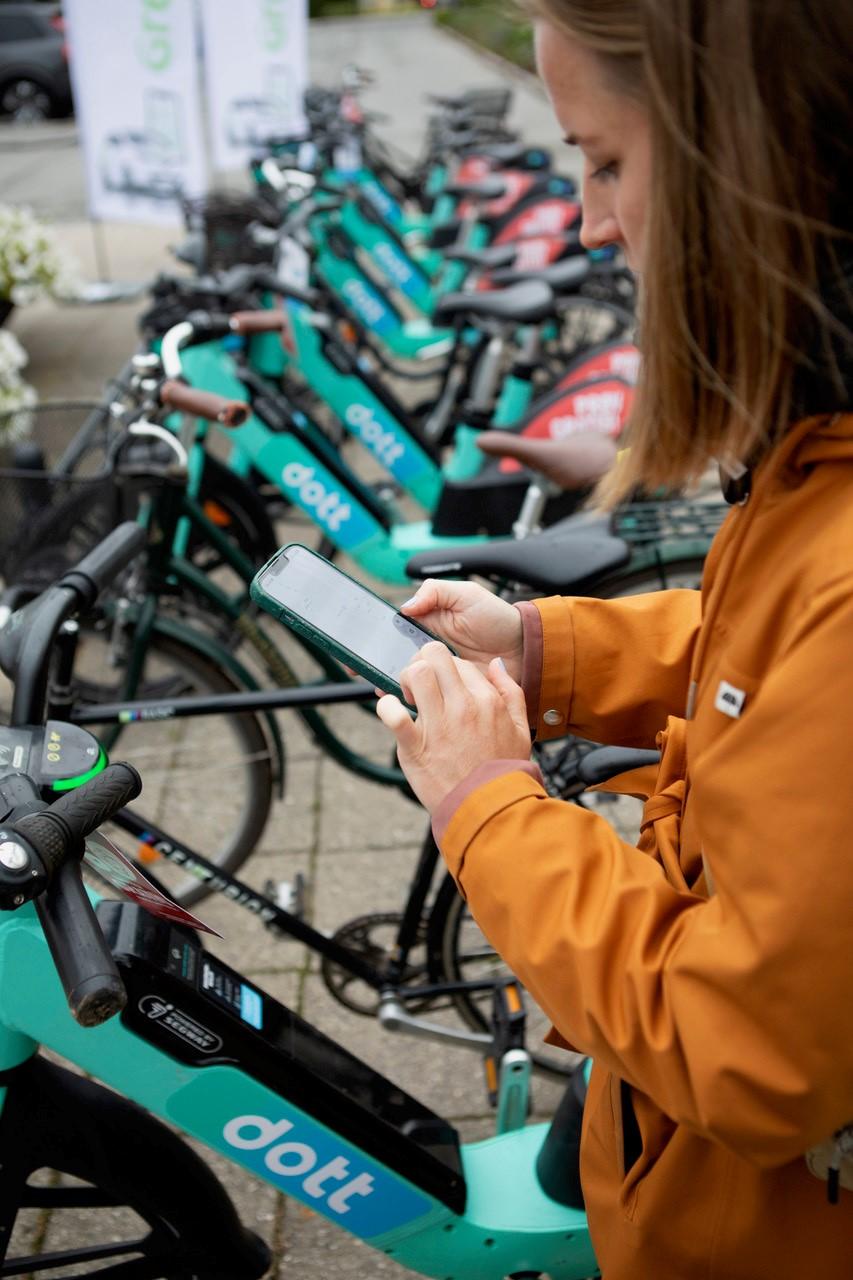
{"x": 249, "y": 322}
{"x": 104, "y": 562}
{"x": 179, "y": 395}
{"x": 27, "y": 636}
{"x": 83, "y": 960}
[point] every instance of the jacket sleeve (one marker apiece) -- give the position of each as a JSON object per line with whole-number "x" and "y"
{"x": 609, "y": 670}
{"x": 734, "y": 1013}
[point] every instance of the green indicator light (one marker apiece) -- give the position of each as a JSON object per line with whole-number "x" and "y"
{"x": 68, "y": 784}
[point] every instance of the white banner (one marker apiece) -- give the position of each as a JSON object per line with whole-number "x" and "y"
{"x": 135, "y": 75}
{"x": 255, "y": 54}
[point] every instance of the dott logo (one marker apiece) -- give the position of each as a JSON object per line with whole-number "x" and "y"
{"x": 397, "y": 268}
{"x": 382, "y": 443}
{"x": 328, "y": 504}
{"x": 299, "y": 1160}
{"x": 367, "y": 305}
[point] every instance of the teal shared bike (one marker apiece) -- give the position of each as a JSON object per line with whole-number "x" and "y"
{"x": 175, "y": 1031}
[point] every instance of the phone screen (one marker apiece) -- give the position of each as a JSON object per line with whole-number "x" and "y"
{"x": 333, "y": 604}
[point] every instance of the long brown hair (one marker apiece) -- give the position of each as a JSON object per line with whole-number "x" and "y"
{"x": 745, "y": 297}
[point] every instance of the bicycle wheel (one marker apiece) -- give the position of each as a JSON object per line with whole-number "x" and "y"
{"x": 685, "y": 572}
{"x": 207, "y": 779}
{"x": 160, "y": 1215}
{"x": 462, "y": 953}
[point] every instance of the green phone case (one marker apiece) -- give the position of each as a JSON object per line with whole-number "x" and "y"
{"x": 319, "y": 638}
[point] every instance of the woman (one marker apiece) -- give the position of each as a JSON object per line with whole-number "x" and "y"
{"x": 706, "y": 971}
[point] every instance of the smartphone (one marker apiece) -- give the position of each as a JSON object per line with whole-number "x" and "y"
{"x": 328, "y": 607}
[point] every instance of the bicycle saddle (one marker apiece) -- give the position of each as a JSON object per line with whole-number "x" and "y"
{"x": 605, "y": 763}
{"x": 525, "y": 303}
{"x": 557, "y": 562}
{"x": 503, "y": 152}
{"x": 494, "y": 255}
{"x": 568, "y": 273}
{"x": 572, "y": 463}
{"x": 486, "y": 189}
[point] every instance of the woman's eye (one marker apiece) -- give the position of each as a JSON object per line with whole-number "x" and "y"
{"x": 605, "y": 171}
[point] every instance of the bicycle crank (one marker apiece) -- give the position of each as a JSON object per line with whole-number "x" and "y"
{"x": 372, "y": 938}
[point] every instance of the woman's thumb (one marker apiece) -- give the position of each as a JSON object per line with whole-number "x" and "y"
{"x": 395, "y": 717}
{"x": 425, "y": 599}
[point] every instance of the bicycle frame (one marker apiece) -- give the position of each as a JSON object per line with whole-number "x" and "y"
{"x": 167, "y": 566}
{"x": 312, "y": 477}
{"x": 202, "y": 1048}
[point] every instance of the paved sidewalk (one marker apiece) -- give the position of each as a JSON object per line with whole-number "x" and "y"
{"x": 356, "y": 842}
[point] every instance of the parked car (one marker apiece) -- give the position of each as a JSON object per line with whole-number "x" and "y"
{"x": 34, "y": 81}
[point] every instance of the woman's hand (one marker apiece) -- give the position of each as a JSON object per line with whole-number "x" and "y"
{"x": 466, "y": 716}
{"x": 477, "y": 624}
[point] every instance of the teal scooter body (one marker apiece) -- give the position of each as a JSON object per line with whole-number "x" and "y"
{"x": 310, "y": 473}
{"x": 504, "y": 1222}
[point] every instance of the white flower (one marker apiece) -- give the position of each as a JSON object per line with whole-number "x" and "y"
{"x": 32, "y": 264}
{"x": 14, "y": 392}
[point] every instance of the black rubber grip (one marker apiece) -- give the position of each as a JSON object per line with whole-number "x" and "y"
{"x": 105, "y": 562}
{"x": 48, "y": 836}
{"x": 209, "y": 324}
{"x": 88, "y": 972}
{"x": 85, "y": 809}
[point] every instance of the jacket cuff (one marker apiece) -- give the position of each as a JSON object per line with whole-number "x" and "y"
{"x": 548, "y": 664}
{"x": 487, "y": 790}
{"x": 531, "y": 660}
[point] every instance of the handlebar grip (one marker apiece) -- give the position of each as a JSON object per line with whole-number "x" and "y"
{"x": 249, "y": 322}
{"x": 86, "y": 968}
{"x": 209, "y": 324}
{"x": 203, "y": 404}
{"x": 58, "y": 832}
{"x": 88, "y": 807}
{"x": 105, "y": 562}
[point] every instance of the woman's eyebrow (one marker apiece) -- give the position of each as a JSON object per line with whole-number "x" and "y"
{"x": 575, "y": 140}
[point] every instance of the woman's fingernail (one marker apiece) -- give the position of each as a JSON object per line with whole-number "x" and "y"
{"x": 501, "y": 664}
{"x": 409, "y": 601}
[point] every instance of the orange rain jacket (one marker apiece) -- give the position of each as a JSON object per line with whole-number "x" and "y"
{"x": 728, "y": 1017}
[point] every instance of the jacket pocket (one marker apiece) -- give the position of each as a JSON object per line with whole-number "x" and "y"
{"x": 644, "y": 1134}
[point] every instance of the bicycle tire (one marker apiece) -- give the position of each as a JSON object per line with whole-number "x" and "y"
{"x": 58, "y": 1121}
{"x": 181, "y": 748}
{"x": 672, "y": 574}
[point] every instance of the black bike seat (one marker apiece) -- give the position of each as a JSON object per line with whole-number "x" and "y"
{"x": 502, "y": 152}
{"x": 566, "y": 274}
{"x": 485, "y": 189}
{"x": 525, "y": 303}
{"x": 605, "y": 763}
{"x": 561, "y": 565}
{"x": 494, "y": 255}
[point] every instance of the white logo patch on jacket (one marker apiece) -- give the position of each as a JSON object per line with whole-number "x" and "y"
{"x": 729, "y": 700}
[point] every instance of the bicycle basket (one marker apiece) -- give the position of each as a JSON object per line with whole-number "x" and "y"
{"x": 56, "y": 492}
{"x": 224, "y": 218}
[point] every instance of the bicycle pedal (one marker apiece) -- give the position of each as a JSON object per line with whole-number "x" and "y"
{"x": 289, "y": 895}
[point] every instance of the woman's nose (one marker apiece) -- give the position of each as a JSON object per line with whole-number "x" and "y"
{"x": 598, "y": 230}
{"x": 599, "y": 225}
